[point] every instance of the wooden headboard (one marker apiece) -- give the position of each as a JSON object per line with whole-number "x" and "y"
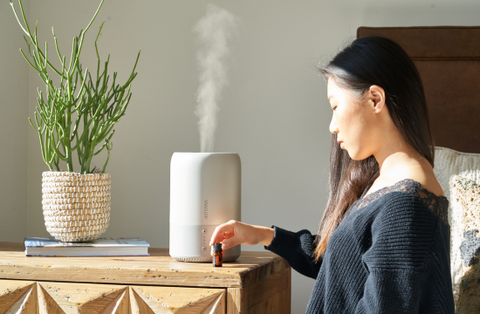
{"x": 448, "y": 60}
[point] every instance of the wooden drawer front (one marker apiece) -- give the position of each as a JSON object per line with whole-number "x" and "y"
{"x": 52, "y": 297}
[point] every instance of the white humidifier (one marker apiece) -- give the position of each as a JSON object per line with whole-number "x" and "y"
{"x": 204, "y": 193}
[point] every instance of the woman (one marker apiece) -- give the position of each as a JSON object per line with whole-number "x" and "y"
{"x": 383, "y": 243}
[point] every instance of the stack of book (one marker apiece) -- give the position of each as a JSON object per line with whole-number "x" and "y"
{"x": 35, "y": 246}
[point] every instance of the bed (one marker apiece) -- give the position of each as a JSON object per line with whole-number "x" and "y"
{"x": 448, "y": 60}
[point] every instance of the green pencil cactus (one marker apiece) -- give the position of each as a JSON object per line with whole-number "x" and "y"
{"x": 75, "y": 112}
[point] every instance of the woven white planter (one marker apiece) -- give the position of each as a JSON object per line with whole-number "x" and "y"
{"x": 76, "y": 207}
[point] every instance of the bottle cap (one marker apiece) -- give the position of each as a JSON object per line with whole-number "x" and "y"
{"x": 217, "y": 247}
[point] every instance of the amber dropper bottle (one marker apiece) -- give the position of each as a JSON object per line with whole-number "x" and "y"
{"x": 217, "y": 255}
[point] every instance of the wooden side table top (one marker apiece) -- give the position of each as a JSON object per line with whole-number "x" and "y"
{"x": 157, "y": 269}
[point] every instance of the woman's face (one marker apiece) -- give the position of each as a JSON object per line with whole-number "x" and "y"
{"x": 350, "y": 121}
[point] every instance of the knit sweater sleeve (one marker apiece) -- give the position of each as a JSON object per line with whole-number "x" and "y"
{"x": 297, "y": 248}
{"x": 407, "y": 253}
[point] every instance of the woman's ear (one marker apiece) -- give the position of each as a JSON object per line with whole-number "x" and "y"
{"x": 376, "y": 95}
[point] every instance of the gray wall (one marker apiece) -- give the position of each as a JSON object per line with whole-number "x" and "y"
{"x": 13, "y": 129}
{"x": 274, "y": 111}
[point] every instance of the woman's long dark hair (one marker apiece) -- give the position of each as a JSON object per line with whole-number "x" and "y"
{"x": 365, "y": 62}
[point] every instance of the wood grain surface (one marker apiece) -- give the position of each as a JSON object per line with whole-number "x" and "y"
{"x": 257, "y": 282}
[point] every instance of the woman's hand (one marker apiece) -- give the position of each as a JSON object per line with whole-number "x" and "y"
{"x": 234, "y": 232}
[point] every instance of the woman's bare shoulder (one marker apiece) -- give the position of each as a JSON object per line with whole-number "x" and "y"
{"x": 426, "y": 178}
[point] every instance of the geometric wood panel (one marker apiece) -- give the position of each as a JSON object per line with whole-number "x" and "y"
{"x": 69, "y": 298}
{"x": 180, "y": 300}
{"x": 18, "y": 297}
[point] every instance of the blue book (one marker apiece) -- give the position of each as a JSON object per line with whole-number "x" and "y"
{"x": 35, "y": 246}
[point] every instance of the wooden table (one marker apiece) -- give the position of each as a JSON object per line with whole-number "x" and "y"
{"x": 258, "y": 282}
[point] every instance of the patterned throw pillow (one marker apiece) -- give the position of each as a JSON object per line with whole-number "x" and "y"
{"x": 468, "y": 195}
{"x": 450, "y": 163}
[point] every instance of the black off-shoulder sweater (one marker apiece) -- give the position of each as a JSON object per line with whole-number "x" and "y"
{"x": 389, "y": 255}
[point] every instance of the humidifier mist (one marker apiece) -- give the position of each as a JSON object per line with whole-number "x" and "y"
{"x": 204, "y": 193}
{"x": 213, "y": 33}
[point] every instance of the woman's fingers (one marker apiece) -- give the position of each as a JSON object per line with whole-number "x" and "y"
{"x": 234, "y": 233}
{"x": 229, "y": 243}
{"x": 223, "y": 232}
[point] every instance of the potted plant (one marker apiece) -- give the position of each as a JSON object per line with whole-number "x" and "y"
{"x": 75, "y": 114}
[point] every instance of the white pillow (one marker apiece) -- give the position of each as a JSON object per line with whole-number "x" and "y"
{"x": 448, "y": 164}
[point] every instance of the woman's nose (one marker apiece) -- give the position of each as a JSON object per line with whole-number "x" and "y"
{"x": 333, "y": 126}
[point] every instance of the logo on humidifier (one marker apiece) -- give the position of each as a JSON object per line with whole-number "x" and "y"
{"x": 205, "y": 209}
